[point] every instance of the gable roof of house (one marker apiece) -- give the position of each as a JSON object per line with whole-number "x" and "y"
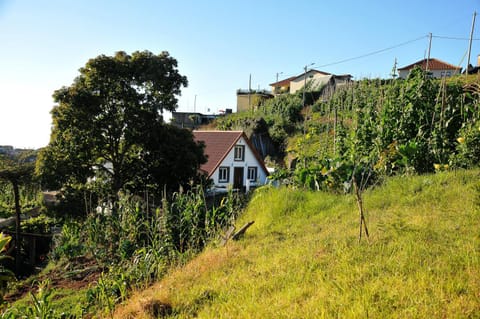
{"x": 433, "y": 64}
{"x": 290, "y": 79}
{"x": 218, "y": 145}
{"x": 311, "y": 71}
{"x": 283, "y": 82}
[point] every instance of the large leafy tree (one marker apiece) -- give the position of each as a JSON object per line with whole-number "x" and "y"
{"x": 104, "y": 123}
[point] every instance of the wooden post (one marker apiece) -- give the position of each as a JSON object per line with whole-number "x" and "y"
{"x": 358, "y": 195}
{"x": 242, "y": 230}
{"x": 18, "y": 245}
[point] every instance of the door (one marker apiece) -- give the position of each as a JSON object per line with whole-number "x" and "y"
{"x": 238, "y": 178}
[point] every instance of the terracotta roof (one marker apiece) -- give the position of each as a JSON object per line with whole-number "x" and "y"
{"x": 217, "y": 146}
{"x": 433, "y": 64}
{"x": 283, "y": 82}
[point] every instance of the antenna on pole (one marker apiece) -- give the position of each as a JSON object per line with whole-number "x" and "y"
{"x": 470, "y": 42}
{"x": 278, "y": 73}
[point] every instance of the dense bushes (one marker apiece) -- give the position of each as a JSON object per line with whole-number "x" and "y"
{"x": 280, "y": 114}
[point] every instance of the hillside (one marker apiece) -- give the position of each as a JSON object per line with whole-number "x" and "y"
{"x": 302, "y": 258}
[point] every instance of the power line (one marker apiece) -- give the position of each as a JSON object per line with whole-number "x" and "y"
{"x": 452, "y": 38}
{"x": 374, "y": 52}
{"x": 391, "y": 48}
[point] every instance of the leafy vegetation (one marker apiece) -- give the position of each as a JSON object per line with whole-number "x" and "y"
{"x": 387, "y": 128}
{"x": 278, "y": 117}
{"x": 133, "y": 249}
{"x": 6, "y": 275}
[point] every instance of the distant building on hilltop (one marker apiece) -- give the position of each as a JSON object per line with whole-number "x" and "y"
{"x": 11, "y": 151}
{"x": 437, "y": 68}
{"x": 7, "y": 150}
{"x": 193, "y": 120}
{"x": 251, "y": 99}
{"x": 317, "y": 81}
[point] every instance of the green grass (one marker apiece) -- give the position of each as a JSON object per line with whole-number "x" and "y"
{"x": 302, "y": 258}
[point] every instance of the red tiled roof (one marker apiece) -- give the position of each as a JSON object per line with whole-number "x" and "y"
{"x": 433, "y": 64}
{"x": 217, "y": 146}
{"x": 283, "y": 82}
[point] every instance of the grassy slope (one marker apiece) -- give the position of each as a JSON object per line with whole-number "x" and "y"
{"x": 302, "y": 259}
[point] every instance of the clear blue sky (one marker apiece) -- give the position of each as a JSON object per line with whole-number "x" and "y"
{"x": 218, "y": 44}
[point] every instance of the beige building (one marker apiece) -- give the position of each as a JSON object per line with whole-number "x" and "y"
{"x": 281, "y": 87}
{"x": 251, "y": 100}
{"x": 315, "y": 80}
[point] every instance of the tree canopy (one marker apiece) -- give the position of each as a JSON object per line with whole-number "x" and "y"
{"x": 109, "y": 121}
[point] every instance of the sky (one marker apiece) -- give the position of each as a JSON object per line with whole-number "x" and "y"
{"x": 218, "y": 45}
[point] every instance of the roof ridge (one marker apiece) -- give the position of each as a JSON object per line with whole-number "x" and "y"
{"x": 424, "y": 61}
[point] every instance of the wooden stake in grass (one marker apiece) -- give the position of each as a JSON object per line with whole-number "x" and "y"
{"x": 358, "y": 195}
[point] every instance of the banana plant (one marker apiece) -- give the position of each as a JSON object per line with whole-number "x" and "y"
{"x": 6, "y": 275}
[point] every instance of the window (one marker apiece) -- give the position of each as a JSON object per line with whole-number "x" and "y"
{"x": 239, "y": 153}
{"x": 445, "y": 73}
{"x": 223, "y": 174}
{"x": 252, "y": 173}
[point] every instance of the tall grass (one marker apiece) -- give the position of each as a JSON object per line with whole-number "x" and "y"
{"x": 301, "y": 258}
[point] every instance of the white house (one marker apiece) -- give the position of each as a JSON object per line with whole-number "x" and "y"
{"x": 437, "y": 68}
{"x": 231, "y": 159}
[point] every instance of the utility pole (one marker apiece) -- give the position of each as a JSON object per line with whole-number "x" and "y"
{"x": 470, "y": 42}
{"x": 429, "y": 49}
{"x": 305, "y": 82}
{"x": 303, "y": 99}
{"x": 195, "y": 104}
{"x": 394, "y": 70}
{"x": 249, "y": 92}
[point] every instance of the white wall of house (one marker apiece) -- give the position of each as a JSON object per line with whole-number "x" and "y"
{"x": 403, "y": 74}
{"x": 314, "y": 79}
{"x": 229, "y": 163}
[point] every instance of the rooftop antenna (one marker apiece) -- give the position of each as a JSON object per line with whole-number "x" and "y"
{"x": 278, "y": 73}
